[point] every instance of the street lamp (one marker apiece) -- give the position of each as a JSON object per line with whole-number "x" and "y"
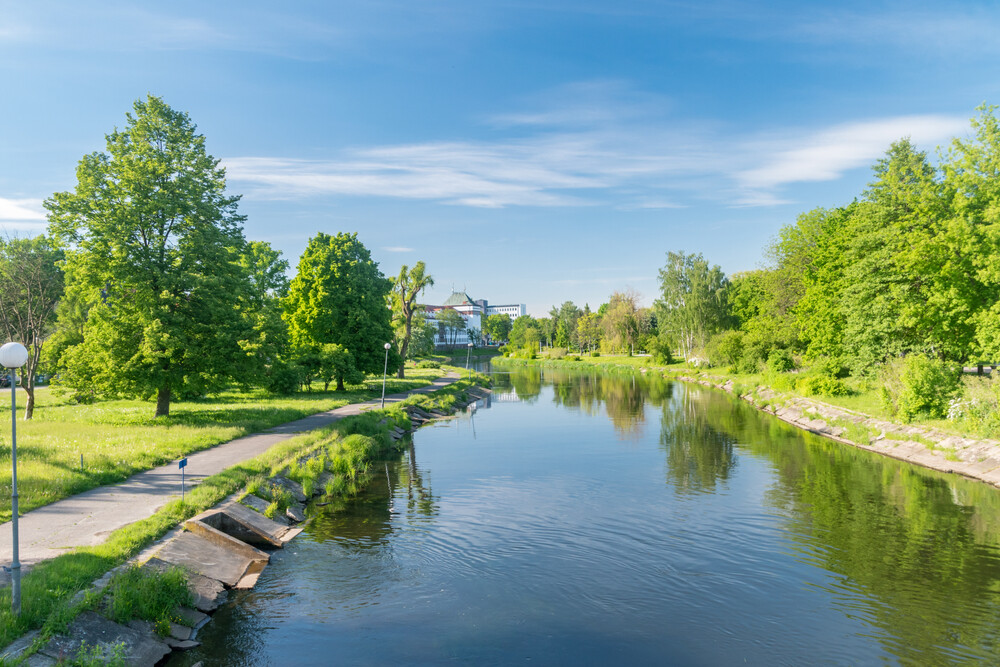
{"x": 385, "y": 369}
{"x": 14, "y": 355}
{"x": 467, "y": 354}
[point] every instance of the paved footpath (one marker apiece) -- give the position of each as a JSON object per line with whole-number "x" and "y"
{"x": 88, "y": 518}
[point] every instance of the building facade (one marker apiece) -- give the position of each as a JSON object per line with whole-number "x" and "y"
{"x": 472, "y": 311}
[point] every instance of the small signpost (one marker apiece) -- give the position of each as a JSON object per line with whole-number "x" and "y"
{"x": 182, "y": 464}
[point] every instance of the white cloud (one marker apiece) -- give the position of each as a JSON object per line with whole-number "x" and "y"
{"x": 397, "y": 248}
{"x": 826, "y": 154}
{"x": 595, "y": 144}
{"x": 22, "y": 210}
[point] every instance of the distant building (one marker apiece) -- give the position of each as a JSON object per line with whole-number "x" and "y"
{"x": 473, "y": 311}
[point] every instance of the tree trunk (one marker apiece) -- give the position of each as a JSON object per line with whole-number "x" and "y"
{"x": 29, "y": 405}
{"x": 340, "y": 384}
{"x": 163, "y": 402}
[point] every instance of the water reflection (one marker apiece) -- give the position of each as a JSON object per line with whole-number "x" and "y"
{"x": 928, "y": 567}
{"x": 699, "y": 454}
{"x": 543, "y": 538}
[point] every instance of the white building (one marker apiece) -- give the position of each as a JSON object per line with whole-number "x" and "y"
{"x": 472, "y": 311}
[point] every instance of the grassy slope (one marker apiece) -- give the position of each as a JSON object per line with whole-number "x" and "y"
{"x": 121, "y": 437}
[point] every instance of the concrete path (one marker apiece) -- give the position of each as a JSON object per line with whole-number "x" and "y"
{"x": 88, "y": 518}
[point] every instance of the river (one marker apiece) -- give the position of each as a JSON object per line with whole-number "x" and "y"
{"x": 581, "y": 518}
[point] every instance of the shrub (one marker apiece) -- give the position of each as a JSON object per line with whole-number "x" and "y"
{"x": 832, "y": 367}
{"x": 725, "y": 348}
{"x": 428, "y": 363}
{"x": 919, "y": 386}
{"x": 780, "y": 361}
{"x": 747, "y": 365}
{"x": 595, "y": 353}
{"x": 283, "y": 379}
{"x": 977, "y": 408}
{"x": 824, "y": 385}
{"x": 659, "y": 349}
{"x": 557, "y": 352}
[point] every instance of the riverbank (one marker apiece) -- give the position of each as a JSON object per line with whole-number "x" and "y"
{"x": 51, "y": 590}
{"x": 926, "y": 446}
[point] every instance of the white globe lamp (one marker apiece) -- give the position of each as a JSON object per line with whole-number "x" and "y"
{"x": 13, "y": 355}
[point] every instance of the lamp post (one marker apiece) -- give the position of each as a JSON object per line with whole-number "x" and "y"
{"x": 467, "y": 355}
{"x": 385, "y": 369}
{"x": 14, "y": 355}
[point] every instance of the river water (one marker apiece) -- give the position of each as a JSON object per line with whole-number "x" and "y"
{"x": 578, "y": 518}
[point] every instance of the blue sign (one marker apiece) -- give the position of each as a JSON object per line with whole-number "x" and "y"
{"x": 182, "y": 463}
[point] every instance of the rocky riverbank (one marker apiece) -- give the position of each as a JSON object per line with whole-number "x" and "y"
{"x": 975, "y": 458}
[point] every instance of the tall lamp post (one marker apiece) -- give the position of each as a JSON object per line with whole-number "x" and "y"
{"x": 467, "y": 355}
{"x": 385, "y": 369}
{"x": 14, "y": 355}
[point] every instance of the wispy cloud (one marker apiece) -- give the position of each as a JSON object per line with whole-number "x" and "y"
{"x": 826, "y": 154}
{"x": 646, "y": 163}
{"x": 21, "y": 210}
{"x": 397, "y": 248}
{"x": 22, "y": 215}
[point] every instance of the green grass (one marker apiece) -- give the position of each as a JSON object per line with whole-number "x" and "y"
{"x": 118, "y": 438}
{"x": 47, "y": 589}
{"x": 147, "y": 595}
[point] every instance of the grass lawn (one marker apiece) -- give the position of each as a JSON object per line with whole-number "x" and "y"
{"x": 118, "y": 438}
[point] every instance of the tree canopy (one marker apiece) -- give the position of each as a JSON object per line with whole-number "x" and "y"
{"x": 340, "y": 296}
{"x": 153, "y": 246}
{"x": 31, "y": 285}
{"x": 408, "y": 284}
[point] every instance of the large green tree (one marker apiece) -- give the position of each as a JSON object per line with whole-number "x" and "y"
{"x": 261, "y": 303}
{"x": 970, "y": 239}
{"x": 693, "y": 301}
{"x": 30, "y": 287}
{"x": 408, "y": 284}
{"x": 340, "y": 296}
{"x": 497, "y": 326}
{"x": 153, "y": 246}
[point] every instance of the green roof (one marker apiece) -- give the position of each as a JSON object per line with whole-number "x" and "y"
{"x": 457, "y": 299}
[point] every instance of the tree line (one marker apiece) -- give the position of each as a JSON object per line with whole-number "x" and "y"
{"x": 899, "y": 288}
{"x": 145, "y": 286}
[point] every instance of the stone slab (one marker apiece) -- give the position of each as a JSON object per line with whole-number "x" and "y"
{"x": 208, "y": 593}
{"x": 229, "y": 542}
{"x": 180, "y": 632}
{"x": 205, "y": 557}
{"x": 291, "y": 486}
{"x": 274, "y": 528}
{"x": 243, "y": 523}
{"x": 256, "y": 504}
{"x": 18, "y": 646}
{"x": 93, "y": 629}
{"x": 191, "y": 617}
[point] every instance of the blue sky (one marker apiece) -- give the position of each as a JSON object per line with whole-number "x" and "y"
{"x": 530, "y": 152}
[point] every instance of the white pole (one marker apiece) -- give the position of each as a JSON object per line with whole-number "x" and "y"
{"x": 385, "y": 369}
{"x": 15, "y": 566}
{"x": 13, "y": 356}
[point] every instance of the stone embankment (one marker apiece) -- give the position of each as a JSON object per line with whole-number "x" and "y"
{"x": 978, "y": 459}
{"x": 225, "y": 548}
